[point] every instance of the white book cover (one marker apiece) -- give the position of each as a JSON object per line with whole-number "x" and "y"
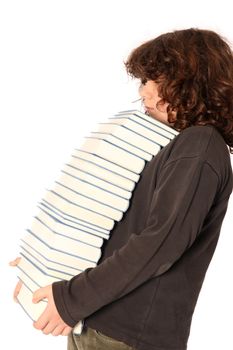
{"x": 70, "y": 220}
{"x": 82, "y": 201}
{"x": 94, "y": 192}
{"x": 104, "y": 169}
{"x": 63, "y": 243}
{"x": 64, "y": 229}
{"x": 70, "y": 208}
{"x": 116, "y": 154}
{"x": 48, "y": 263}
{"x": 80, "y": 263}
{"x": 129, "y": 130}
{"x": 148, "y": 121}
{"x": 117, "y": 141}
{"x": 97, "y": 181}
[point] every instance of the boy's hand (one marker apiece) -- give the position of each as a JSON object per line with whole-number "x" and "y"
{"x": 50, "y": 320}
{"x": 19, "y": 284}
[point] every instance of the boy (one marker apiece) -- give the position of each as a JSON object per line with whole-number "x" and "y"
{"x": 143, "y": 292}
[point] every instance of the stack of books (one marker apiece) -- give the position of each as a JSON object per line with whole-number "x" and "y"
{"x": 92, "y": 192}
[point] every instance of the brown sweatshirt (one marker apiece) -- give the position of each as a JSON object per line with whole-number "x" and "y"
{"x": 144, "y": 288}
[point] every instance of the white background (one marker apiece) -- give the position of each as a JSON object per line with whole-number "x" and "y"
{"x": 61, "y": 72}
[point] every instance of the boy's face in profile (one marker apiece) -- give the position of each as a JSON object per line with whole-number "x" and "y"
{"x": 150, "y": 98}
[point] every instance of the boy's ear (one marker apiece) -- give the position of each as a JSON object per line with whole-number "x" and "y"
{"x": 172, "y": 117}
{"x": 162, "y": 106}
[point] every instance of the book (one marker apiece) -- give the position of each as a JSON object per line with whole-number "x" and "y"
{"x": 118, "y": 155}
{"x": 119, "y": 142}
{"x": 105, "y": 169}
{"x": 96, "y": 181}
{"x": 77, "y": 232}
{"x": 70, "y": 221}
{"x": 127, "y": 129}
{"x": 147, "y": 121}
{"x": 93, "y": 191}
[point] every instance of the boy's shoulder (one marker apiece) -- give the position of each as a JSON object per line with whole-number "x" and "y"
{"x": 199, "y": 141}
{"x": 198, "y": 144}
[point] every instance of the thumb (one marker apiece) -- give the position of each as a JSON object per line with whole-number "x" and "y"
{"x": 39, "y": 294}
{"x": 17, "y": 290}
{"x": 15, "y": 262}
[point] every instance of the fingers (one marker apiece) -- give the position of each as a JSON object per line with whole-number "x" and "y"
{"x": 58, "y": 330}
{"x": 47, "y": 324}
{"x": 49, "y": 321}
{"x": 15, "y": 262}
{"x": 51, "y": 324}
{"x": 43, "y": 321}
{"x": 66, "y": 331}
{"x": 40, "y": 294}
{"x": 17, "y": 290}
{"x": 54, "y": 331}
{"x": 54, "y": 326}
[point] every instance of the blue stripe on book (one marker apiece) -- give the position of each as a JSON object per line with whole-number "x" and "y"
{"x": 53, "y": 261}
{"x": 96, "y": 155}
{"x": 57, "y": 211}
{"x": 133, "y": 131}
{"x": 39, "y": 286}
{"x": 63, "y": 223}
{"x": 46, "y": 267}
{"x": 117, "y": 137}
{"x": 38, "y": 268}
{"x": 78, "y": 205}
{"x": 25, "y": 310}
{"x": 95, "y": 200}
{"x": 92, "y": 184}
{"x": 156, "y": 133}
{"x": 97, "y": 177}
{"x": 106, "y": 160}
{"x": 147, "y": 127}
{"x": 58, "y": 250}
{"x": 152, "y": 121}
{"x": 113, "y": 144}
{"x": 107, "y": 232}
{"x": 63, "y": 235}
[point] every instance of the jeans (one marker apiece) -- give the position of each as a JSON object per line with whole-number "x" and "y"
{"x": 90, "y": 339}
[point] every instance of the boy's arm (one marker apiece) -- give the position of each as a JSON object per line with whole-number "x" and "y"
{"x": 184, "y": 193}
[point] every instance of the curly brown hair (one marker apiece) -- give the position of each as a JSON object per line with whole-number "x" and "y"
{"x": 194, "y": 71}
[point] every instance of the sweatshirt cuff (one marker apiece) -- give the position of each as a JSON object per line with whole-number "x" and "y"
{"x": 57, "y": 288}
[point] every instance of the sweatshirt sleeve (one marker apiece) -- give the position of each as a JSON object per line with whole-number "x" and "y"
{"x": 183, "y": 195}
